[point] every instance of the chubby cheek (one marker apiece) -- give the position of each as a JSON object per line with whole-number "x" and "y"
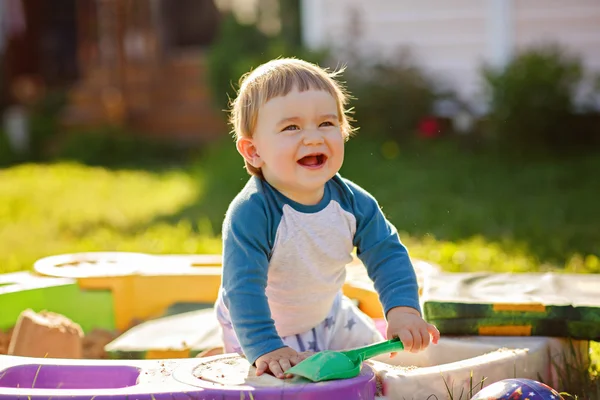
{"x": 336, "y": 147}
{"x": 336, "y": 161}
{"x": 284, "y": 156}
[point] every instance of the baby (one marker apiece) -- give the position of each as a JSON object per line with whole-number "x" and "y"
{"x": 289, "y": 234}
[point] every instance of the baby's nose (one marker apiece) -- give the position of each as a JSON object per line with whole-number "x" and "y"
{"x": 313, "y": 137}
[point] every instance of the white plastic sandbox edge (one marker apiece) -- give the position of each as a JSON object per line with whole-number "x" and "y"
{"x": 526, "y": 357}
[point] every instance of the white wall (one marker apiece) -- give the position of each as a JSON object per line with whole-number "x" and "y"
{"x": 452, "y": 38}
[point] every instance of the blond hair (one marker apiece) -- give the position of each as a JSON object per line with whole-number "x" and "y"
{"x": 277, "y": 78}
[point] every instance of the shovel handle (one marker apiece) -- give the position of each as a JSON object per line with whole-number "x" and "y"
{"x": 376, "y": 349}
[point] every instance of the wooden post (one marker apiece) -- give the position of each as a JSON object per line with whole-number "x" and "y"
{"x": 122, "y": 8}
{"x": 87, "y": 47}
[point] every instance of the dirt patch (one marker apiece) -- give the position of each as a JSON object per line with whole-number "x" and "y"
{"x": 94, "y": 342}
{"x": 404, "y": 368}
{"x": 5, "y": 340}
{"x": 378, "y": 385}
{"x": 164, "y": 369}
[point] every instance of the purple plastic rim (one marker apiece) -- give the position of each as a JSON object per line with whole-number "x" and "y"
{"x": 120, "y": 382}
{"x": 362, "y": 387}
{"x": 37, "y": 376}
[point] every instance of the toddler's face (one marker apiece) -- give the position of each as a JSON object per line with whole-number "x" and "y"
{"x": 298, "y": 143}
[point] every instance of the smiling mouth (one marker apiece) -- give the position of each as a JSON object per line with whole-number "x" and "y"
{"x": 313, "y": 160}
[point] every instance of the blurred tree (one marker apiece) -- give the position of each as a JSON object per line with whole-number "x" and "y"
{"x": 289, "y": 13}
{"x": 532, "y": 100}
{"x": 243, "y": 43}
{"x": 191, "y": 23}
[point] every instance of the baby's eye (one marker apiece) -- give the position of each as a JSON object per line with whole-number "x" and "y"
{"x": 327, "y": 123}
{"x": 291, "y": 128}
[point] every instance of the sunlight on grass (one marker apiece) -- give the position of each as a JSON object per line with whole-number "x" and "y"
{"x": 471, "y": 211}
{"x": 76, "y": 195}
{"x": 572, "y": 384}
{"x": 478, "y": 254}
{"x": 464, "y": 213}
{"x": 595, "y": 353}
{"x": 469, "y": 255}
{"x": 63, "y": 208}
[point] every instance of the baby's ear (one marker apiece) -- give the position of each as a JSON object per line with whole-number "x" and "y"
{"x": 245, "y": 146}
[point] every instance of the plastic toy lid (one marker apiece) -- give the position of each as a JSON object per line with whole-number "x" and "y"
{"x": 230, "y": 376}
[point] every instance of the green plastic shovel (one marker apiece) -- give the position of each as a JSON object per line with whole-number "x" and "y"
{"x": 327, "y": 365}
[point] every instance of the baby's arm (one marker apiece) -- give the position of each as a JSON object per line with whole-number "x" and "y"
{"x": 245, "y": 265}
{"x": 386, "y": 258}
{"x": 389, "y": 266}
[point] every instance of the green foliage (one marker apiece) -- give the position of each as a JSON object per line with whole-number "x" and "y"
{"x": 576, "y": 372}
{"x": 291, "y": 29}
{"x": 532, "y": 100}
{"x": 471, "y": 212}
{"x": 44, "y": 124}
{"x": 238, "y": 48}
{"x": 7, "y": 155}
{"x": 115, "y": 146}
{"x": 463, "y": 212}
{"x": 43, "y": 127}
{"x": 67, "y": 207}
{"x": 391, "y": 97}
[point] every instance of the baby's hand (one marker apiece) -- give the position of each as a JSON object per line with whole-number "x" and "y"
{"x": 414, "y": 332}
{"x": 279, "y": 361}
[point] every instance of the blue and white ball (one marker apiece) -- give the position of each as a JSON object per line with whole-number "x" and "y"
{"x": 517, "y": 389}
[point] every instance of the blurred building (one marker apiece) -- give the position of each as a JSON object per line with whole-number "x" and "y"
{"x": 140, "y": 63}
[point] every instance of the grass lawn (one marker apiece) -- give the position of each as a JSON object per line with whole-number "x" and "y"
{"x": 464, "y": 211}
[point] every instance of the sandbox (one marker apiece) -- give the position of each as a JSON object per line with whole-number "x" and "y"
{"x": 116, "y": 291}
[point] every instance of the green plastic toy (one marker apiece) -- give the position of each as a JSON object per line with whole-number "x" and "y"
{"x": 328, "y": 365}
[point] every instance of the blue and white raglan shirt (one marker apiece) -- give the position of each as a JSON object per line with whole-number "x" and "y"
{"x": 285, "y": 262}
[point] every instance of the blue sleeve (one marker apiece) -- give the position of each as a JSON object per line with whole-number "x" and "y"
{"x": 245, "y": 265}
{"x": 385, "y": 257}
